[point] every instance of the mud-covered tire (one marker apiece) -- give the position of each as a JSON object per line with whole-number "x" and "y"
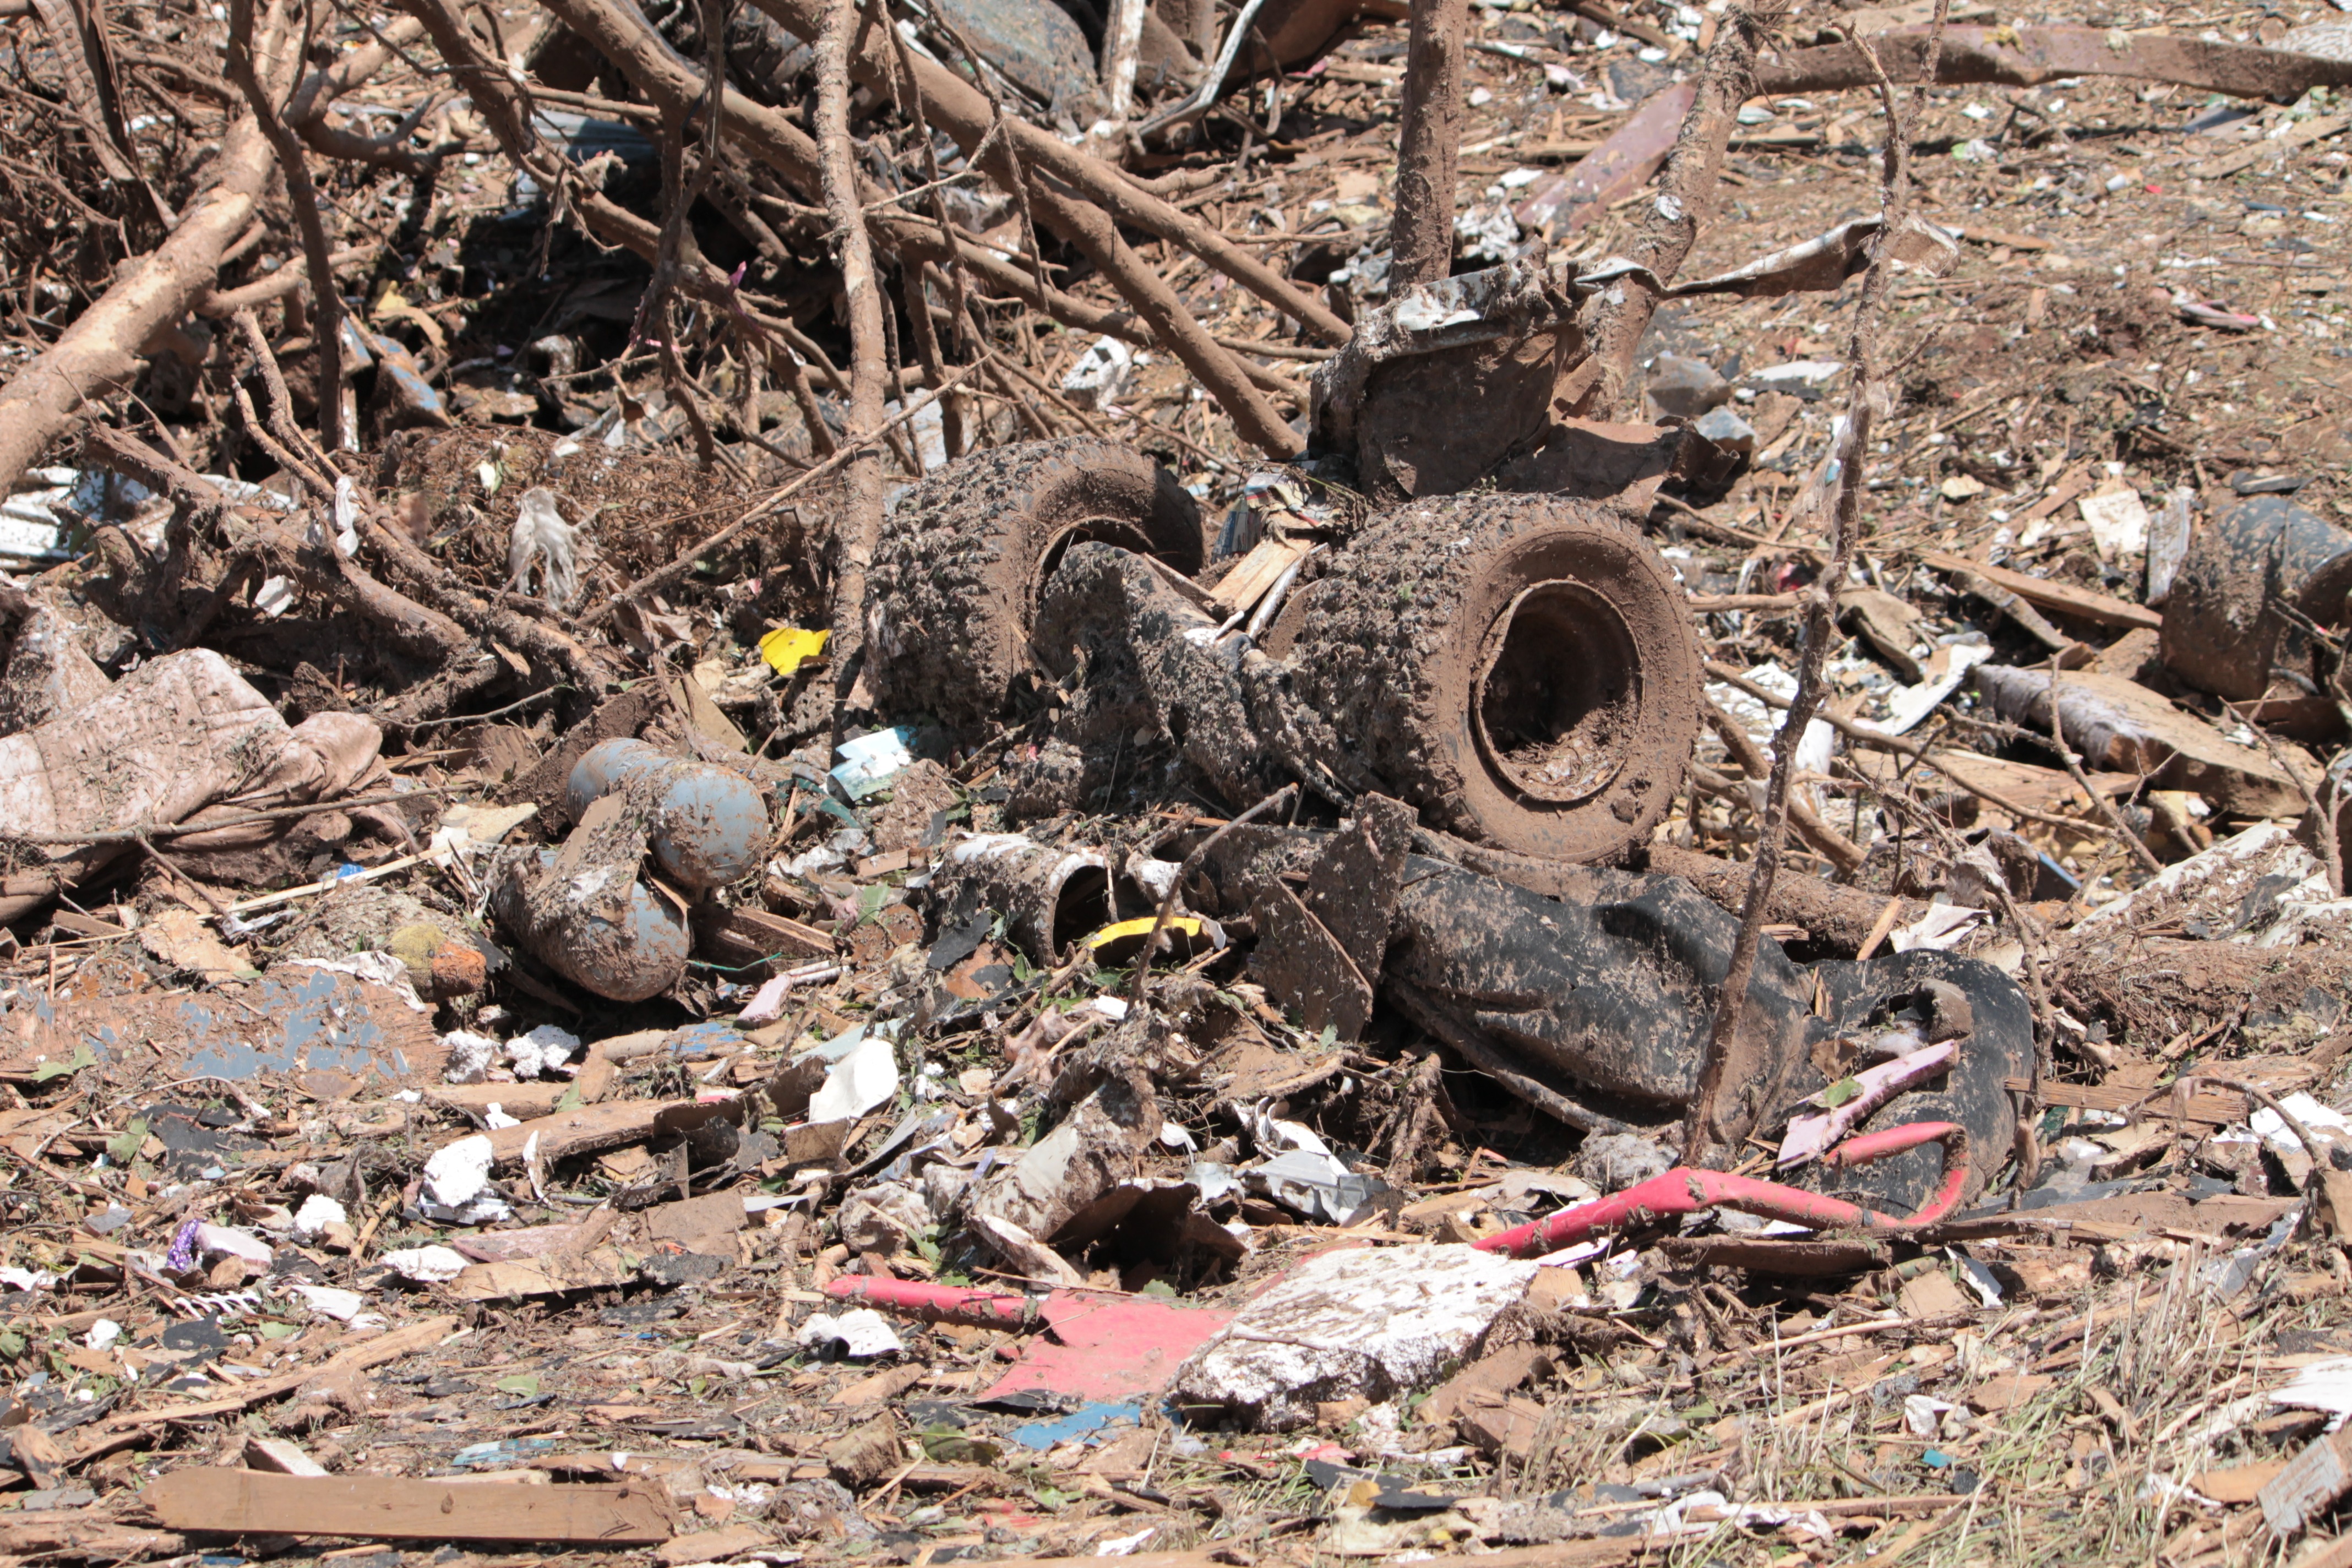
{"x": 1518, "y": 667}
{"x": 960, "y": 562}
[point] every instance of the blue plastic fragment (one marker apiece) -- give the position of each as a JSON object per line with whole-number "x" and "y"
{"x": 1086, "y": 1421}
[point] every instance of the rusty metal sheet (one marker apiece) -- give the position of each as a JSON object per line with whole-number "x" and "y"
{"x": 1618, "y": 166}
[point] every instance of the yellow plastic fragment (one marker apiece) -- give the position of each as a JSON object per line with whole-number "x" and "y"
{"x": 786, "y": 649}
{"x": 1111, "y": 933}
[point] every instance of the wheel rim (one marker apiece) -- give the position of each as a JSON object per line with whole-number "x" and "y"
{"x": 1557, "y": 698}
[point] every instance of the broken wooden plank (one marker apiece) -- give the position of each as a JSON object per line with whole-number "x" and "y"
{"x": 603, "y": 1268}
{"x": 1622, "y": 164}
{"x": 2064, "y": 597}
{"x": 284, "y": 1458}
{"x": 1253, "y": 574}
{"x": 382, "y": 1508}
{"x": 712, "y": 1545}
{"x": 2318, "y": 128}
{"x": 2212, "y": 1109}
{"x": 73, "y": 1532}
{"x": 745, "y": 937}
{"x": 523, "y": 1101}
{"x": 1490, "y": 1378}
{"x": 584, "y": 1129}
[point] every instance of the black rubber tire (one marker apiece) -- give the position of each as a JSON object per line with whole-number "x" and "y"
{"x": 962, "y": 560}
{"x": 1415, "y": 648}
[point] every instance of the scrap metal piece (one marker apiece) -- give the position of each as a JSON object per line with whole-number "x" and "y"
{"x": 1303, "y": 966}
{"x": 1826, "y": 260}
{"x": 1604, "y": 993}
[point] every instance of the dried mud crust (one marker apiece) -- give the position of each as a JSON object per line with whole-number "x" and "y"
{"x": 1520, "y": 668}
{"x": 642, "y": 507}
{"x": 964, "y": 558}
{"x": 2153, "y": 989}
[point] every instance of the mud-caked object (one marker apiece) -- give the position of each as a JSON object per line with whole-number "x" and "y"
{"x": 707, "y": 827}
{"x": 585, "y": 913}
{"x": 1519, "y": 668}
{"x": 2254, "y": 579}
{"x": 962, "y": 560}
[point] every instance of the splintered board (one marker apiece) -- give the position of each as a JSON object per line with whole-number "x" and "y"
{"x": 382, "y": 1507}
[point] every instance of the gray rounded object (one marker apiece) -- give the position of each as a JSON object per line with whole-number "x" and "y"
{"x": 707, "y": 827}
{"x": 1518, "y": 667}
{"x": 2250, "y": 577}
{"x": 963, "y": 561}
{"x": 1034, "y": 42}
{"x": 606, "y": 766}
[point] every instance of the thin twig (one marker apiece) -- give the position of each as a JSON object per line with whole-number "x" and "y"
{"x": 1703, "y": 1128}
{"x": 327, "y": 308}
{"x": 2147, "y": 860}
{"x": 774, "y": 502}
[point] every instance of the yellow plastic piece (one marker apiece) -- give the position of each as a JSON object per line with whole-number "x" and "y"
{"x": 788, "y": 647}
{"x": 1111, "y": 933}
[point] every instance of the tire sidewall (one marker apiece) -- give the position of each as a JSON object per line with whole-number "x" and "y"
{"x": 1620, "y": 567}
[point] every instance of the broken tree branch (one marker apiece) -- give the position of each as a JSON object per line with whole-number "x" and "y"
{"x": 860, "y": 528}
{"x": 1670, "y": 227}
{"x": 2031, "y": 57}
{"x": 1421, "y": 236}
{"x": 327, "y": 305}
{"x": 959, "y": 107}
{"x": 107, "y": 344}
{"x": 1703, "y": 1128}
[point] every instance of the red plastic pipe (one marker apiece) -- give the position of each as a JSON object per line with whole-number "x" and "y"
{"x": 938, "y": 1303}
{"x": 1684, "y": 1191}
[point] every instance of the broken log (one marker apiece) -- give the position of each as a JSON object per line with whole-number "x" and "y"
{"x": 1671, "y": 226}
{"x": 2121, "y": 725}
{"x": 1831, "y": 916}
{"x": 2030, "y": 56}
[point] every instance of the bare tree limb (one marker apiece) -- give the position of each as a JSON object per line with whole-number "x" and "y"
{"x": 860, "y": 528}
{"x": 326, "y": 315}
{"x": 1421, "y": 236}
{"x": 1704, "y": 1128}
